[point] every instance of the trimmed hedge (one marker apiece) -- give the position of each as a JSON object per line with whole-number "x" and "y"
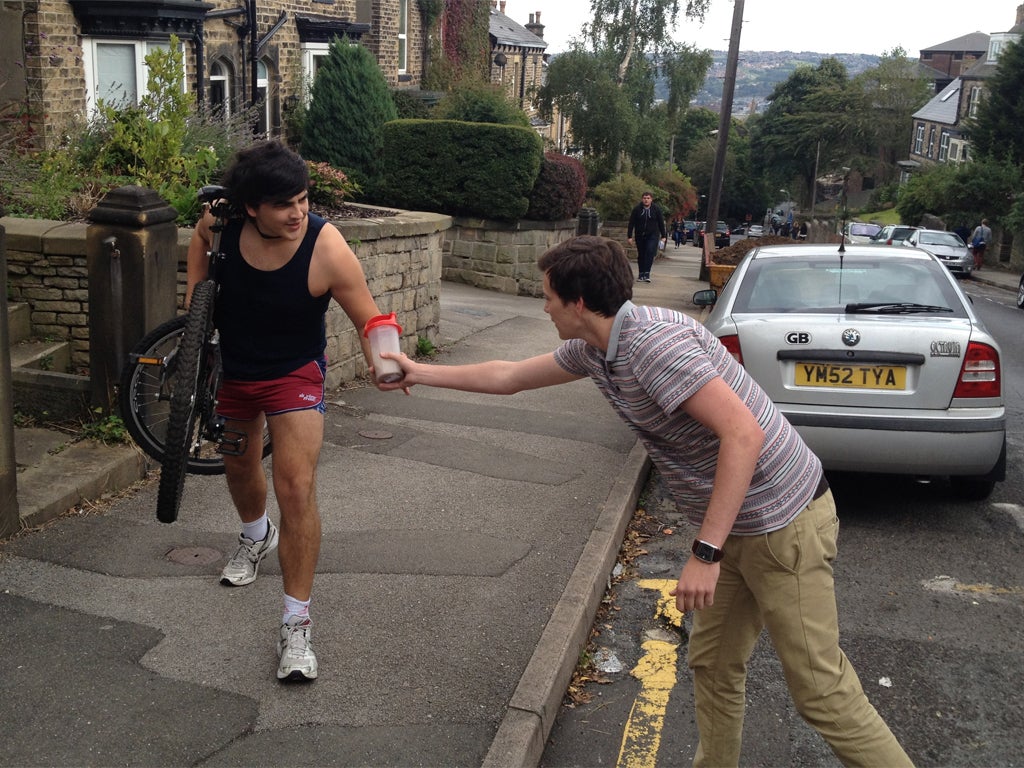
{"x": 463, "y": 169}
{"x": 560, "y": 189}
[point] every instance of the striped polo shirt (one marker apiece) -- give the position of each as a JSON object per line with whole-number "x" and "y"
{"x": 656, "y": 359}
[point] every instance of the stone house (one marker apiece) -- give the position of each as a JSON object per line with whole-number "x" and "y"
{"x": 940, "y": 134}
{"x": 519, "y": 66}
{"x": 66, "y": 54}
{"x": 60, "y": 56}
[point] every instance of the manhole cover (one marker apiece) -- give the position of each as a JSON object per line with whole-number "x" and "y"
{"x": 194, "y": 555}
{"x": 375, "y": 434}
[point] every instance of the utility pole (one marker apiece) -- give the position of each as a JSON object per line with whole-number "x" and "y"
{"x": 724, "y": 121}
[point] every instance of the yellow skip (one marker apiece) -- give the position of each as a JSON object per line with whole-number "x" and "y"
{"x": 656, "y": 672}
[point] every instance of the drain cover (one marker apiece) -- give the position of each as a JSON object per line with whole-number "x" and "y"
{"x": 375, "y": 434}
{"x": 194, "y": 555}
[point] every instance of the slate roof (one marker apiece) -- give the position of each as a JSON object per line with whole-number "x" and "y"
{"x": 505, "y": 31}
{"x": 943, "y": 107}
{"x": 974, "y": 42}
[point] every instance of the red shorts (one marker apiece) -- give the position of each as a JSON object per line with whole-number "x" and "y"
{"x": 300, "y": 390}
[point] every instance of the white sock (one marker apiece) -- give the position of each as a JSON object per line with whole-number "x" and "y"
{"x": 294, "y": 609}
{"x": 256, "y": 530}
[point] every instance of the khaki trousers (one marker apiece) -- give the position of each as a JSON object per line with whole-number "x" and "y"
{"x": 783, "y": 581}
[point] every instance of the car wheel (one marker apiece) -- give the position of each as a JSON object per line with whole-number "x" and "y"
{"x": 972, "y": 488}
{"x": 1020, "y": 293}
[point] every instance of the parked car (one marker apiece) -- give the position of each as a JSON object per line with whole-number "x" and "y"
{"x": 947, "y": 247}
{"x": 756, "y": 230}
{"x": 876, "y": 358}
{"x": 722, "y": 235}
{"x": 891, "y": 234}
{"x": 689, "y": 227}
{"x": 860, "y": 231}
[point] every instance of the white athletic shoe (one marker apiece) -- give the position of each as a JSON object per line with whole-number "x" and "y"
{"x": 245, "y": 563}
{"x": 298, "y": 662}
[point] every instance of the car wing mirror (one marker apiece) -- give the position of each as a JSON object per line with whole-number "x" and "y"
{"x": 705, "y": 298}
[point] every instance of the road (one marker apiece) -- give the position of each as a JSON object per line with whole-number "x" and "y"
{"x": 931, "y": 601}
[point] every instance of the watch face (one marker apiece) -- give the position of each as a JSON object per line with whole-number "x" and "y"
{"x": 706, "y": 552}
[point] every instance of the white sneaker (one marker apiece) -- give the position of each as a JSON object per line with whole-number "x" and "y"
{"x": 245, "y": 563}
{"x": 298, "y": 662}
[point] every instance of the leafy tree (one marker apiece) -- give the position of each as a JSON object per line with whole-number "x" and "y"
{"x": 350, "y": 104}
{"x": 995, "y": 131}
{"x": 813, "y": 116}
{"x": 893, "y": 91}
{"x": 605, "y": 84}
{"x": 961, "y": 195}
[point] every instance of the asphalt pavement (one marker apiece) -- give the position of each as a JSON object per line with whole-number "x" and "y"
{"x": 467, "y": 540}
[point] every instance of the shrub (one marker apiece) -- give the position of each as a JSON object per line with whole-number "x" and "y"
{"x": 480, "y": 103}
{"x": 409, "y": 106}
{"x": 615, "y": 199}
{"x": 328, "y": 186}
{"x": 560, "y": 189}
{"x": 463, "y": 169}
{"x": 350, "y": 104}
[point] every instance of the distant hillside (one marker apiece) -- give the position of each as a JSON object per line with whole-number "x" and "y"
{"x": 759, "y": 72}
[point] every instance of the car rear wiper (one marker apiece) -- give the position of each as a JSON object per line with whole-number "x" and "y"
{"x": 894, "y": 308}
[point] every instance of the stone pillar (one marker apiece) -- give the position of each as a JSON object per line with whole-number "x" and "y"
{"x": 132, "y": 252}
{"x": 10, "y": 520}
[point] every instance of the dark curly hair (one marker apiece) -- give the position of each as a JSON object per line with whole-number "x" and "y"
{"x": 592, "y": 268}
{"x": 265, "y": 172}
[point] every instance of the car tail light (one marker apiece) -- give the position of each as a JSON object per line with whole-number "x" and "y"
{"x": 732, "y": 343}
{"x": 979, "y": 375}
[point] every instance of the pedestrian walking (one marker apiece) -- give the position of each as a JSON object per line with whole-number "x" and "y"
{"x": 646, "y": 229}
{"x": 765, "y": 518}
{"x": 980, "y": 238}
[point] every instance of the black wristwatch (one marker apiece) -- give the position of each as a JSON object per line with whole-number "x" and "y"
{"x": 709, "y": 553}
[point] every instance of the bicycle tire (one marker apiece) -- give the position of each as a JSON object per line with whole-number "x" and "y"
{"x": 184, "y": 419}
{"x": 144, "y": 399}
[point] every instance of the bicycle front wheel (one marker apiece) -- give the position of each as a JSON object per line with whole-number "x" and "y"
{"x": 144, "y": 399}
{"x": 189, "y": 381}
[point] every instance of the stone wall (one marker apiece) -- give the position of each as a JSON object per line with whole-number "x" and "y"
{"x": 501, "y": 256}
{"x": 401, "y": 257}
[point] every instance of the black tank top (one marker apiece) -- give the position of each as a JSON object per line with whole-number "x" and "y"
{"x": 269, "y": 323}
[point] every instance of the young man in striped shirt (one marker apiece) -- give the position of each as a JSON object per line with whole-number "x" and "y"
{"x": 765, "y": 518}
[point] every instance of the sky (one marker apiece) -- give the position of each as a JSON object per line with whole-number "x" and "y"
{"x": 820, "y": 26}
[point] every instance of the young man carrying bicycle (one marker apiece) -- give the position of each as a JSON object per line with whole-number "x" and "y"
{"x": 283, "y": 266}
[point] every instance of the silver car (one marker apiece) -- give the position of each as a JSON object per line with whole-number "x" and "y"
{"x": 874, "y": 355}
{"x": 947, "y": 247}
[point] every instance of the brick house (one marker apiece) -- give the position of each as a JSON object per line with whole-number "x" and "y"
{"x": 65, "y": 54}
{"x": 940, "y": 134}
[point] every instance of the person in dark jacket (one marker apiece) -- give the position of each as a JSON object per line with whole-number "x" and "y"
{"x": 646, "y": 229}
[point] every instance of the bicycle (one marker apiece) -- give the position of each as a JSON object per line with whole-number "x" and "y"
{"x": 168, "y": 391}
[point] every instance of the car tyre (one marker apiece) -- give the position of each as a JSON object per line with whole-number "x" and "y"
{"x": 972, "y": 488}
{"x": 1020, "y": 293}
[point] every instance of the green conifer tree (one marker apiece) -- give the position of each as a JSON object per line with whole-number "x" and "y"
{"x": 350, "y": 102}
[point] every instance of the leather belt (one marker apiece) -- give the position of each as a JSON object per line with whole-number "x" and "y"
{"x": 820, "y": 490}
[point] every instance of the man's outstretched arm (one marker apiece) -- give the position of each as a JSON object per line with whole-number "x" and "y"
{"x": 495, "y": 377}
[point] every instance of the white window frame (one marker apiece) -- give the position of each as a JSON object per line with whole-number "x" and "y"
{"x": 972, "y": 108}
{"x": 403, "y": 36}
{"x": 311, "y": 54}
{"x": 142, "y": 48}
{"x": 919, "y": 139}
{"x": 224, "y": 77}
{"x": 263, "y": 88}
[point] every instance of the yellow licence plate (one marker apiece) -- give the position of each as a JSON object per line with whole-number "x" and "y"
{"x": 851, "y": 376}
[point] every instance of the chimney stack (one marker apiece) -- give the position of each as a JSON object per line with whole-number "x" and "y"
{"x": 535, "y": 26}
{"x": 502, "y": 6}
